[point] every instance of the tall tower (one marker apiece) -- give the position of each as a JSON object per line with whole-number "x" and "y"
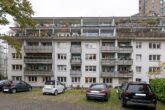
{"x": 150, "y": 7}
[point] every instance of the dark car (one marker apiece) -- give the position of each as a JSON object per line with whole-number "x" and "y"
{"x": 17, "y": 86}
{"x": 98, "y": 91}
{"x": 4, "y": 83}
{"x": 138, "y": 93}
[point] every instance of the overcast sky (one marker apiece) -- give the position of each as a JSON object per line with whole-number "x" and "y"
{"x": 78, "y": 8}
{"x": 63, "y": 8}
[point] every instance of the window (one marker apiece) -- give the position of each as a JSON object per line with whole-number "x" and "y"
{"x": 61, "y": 45}
{"x": 138, "y": 57}
{"x": 90, "y": 56}
{"x": 154, "y": 69}
{"x": 90, "y": 45}
{"x": 17, "y": 78}
{"x": 16, "y": 56}
{"x": 154, "y": 57}
{"x": 32, "y": 78}
{"x": 138, "y": 45}
{"x": 138, "y": 69}
{"x": 138, "y": 80}
{"x": 154, "y": 45}
{"x": 62, "y": 56}
{"x": 90, "y": 68}
{"x": 61, "y": 79}
{"x": 107, "y": 80}
{"x": 46, "y": 78}
{"x": 75, "y": 79}
{"x": 62, "y": 68}
{"x": 32, "y": 43}
{"x": 17, "y": 67}
{"x": 90, "y": 80}
{"x": 46, "y": 43}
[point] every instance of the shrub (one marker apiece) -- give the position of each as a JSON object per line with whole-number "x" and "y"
{"x": 158, "y": 85}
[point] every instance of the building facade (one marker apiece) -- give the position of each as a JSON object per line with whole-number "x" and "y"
{"x": 3, "y": 60}
{"x": 152, "y": 7}
{"x": 79, "y": 51}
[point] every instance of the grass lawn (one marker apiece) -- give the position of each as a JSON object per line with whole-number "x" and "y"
{"x": 76, "y": 97}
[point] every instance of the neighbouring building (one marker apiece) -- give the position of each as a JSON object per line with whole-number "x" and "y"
{"x": 152, "y": 7}
{"x": 79, "y": 51}
{"x": 3, "y": 60}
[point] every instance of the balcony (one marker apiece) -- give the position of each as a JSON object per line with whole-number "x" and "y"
{"x": 75, "y": 73}
{"x": 75, "y": 61}
{"x": 37, "y": 60}
{"x": 142, "y": 35}
{"x": 125, "y": 49}
{"x": 109, "y": 49}
{"x": 117, "y": 74}
{"x": 109, "y": 61}
{"x": 125, "y": 62}
{"x": 36, "y": 49}
{"x": 107, "y": 74}
{"x": 75, "y": 49}
{"x": 38, "y": 73}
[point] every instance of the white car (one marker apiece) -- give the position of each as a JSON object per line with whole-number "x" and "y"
{"x": 53, "y": 87}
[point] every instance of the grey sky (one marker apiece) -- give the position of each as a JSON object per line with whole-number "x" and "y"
{"x": 62, "y": 8}
{"x": 77, "y": 8}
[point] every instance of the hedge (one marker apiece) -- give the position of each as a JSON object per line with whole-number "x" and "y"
{"x": 158, "y": 85}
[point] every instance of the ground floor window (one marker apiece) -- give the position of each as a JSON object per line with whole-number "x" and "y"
{"x": 107, "y": 80}
{"x": 17, "y": 78}
{"x": 46, "y": 78}
{"x": 75, "y": 79}
{"x": 61, "y": 79}
{"x": 90, "y": 80}
{"x": 32, "y": 78}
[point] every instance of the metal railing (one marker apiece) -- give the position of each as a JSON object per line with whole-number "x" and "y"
{"x": 38, "y": 48}
{"x": 75, "y": 61}
{"x": 75, "y": 49}
{"x": 117, "y": 74}
{"x": 28, "y": 60}
{"x": 38, "y": 73}
{"x": 75, "y": 73}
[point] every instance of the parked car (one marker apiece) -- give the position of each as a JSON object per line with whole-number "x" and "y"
{"x": 138, "y": 93}
{"x": 3, "y": 83}
{"x": 98, "y": 91}
{"x": 53, "y": 87}
{"x": 17, "y": 86}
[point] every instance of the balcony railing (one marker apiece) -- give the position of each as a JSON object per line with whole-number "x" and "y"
{"x": 125, "y": 49}
{"x": 109, "y": 49}
{"x": 75, "y": 61}
{"x": 29, "y": 60}
{"x": 112, "y": 61}
{"x": 38, "y": 73}
{"x": 38, "y": 48}
{"x": 75, "y": 49}
{"x": 75, "y": 73}
{"x": 142, "y": 34}
{"x": 125, "y": 62}
{"x": 117, "y": 74}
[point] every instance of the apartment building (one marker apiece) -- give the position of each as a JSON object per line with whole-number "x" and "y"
{"x": 3, "y": 60}
{"x": 152, "y": 7}
{"x": 79, "y": 51}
